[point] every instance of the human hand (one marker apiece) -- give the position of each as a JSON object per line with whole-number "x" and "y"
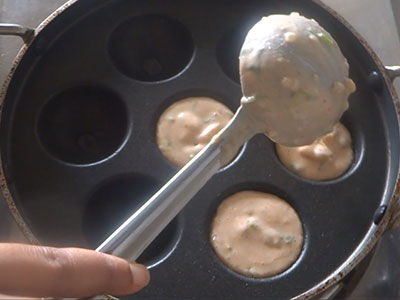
{"x": 34, "y": 271}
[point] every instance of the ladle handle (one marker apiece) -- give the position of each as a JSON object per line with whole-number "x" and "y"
{"x": 26, "y": 33}
{"x": 136, "y": 233}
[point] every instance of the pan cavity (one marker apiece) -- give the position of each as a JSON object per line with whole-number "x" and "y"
{"x": 229, "y": 46}
{"x": 151, "y": 48}
{"x": 117, "y": 199}
{"x": 256, "y": 234}
{"x": 188, "y": 125}
{"x": 83, "y": 125}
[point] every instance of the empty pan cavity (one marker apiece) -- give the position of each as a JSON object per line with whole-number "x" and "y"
{"x": 229, "y": 46}
{"x": 83, "y": 125}
{"x": 151, "y": 48}
{"x": 117, "y": 199}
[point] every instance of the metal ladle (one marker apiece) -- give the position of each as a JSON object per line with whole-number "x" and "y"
{"x": 140, "y": 229}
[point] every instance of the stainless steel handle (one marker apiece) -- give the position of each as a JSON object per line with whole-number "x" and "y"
{"x": 393, "y": 71}
{"x": 26, "y": 33}
{"x": 136, "y": 233}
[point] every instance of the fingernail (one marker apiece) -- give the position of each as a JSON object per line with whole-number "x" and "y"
{"x": 141, "y": 275}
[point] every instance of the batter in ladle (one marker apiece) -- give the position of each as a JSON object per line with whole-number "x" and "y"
{"x": 294, "y": 79}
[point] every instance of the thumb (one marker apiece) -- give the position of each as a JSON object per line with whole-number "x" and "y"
{"x": 35, "y": 271}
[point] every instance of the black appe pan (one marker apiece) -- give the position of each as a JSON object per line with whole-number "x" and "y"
{"x": 79, "y": 151}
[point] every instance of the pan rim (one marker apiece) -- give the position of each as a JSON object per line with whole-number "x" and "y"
{"x": 3, "y": 93}
{"x": 364, "y": 247}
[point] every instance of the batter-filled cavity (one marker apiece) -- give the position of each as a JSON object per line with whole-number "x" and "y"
{"x": 327, "y": 158}
{"x": 256, "y": 234}
{"x": 188, "y": 125}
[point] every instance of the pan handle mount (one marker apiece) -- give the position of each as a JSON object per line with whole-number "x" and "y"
{"x": 26, "y": 33}
{"x": 393, "y": 71}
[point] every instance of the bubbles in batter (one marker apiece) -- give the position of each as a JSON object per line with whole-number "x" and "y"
{"x": 188, "y": 125}
{"x": 327, "y": 158}
{"x": 256, "y": 234}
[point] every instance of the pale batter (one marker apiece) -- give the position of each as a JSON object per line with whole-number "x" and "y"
{"x": 294, "y": 79}
{"x": 327, "y": 158}
{"x": 256, "y": 234}
{"x": 188, "y": 125}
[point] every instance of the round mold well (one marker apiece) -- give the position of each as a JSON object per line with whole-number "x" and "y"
{"x": 83, "y": 125}
{"x": 264, "y": 188}
{"x": 117, "y": 199}
{"x": 358, "y": 146}
{"x": 151, "y": 48}
{"x": 229, "y": 46}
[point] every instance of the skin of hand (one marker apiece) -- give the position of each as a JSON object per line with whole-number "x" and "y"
{"x": 35, "y": 271}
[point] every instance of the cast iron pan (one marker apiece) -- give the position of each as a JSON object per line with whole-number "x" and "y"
{"x": 79, "y": 151}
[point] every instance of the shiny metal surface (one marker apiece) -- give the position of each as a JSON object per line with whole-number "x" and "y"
{"x": 17, "y": 30}
{"x": 139, "y": 230}
{"x": 381, "y": 280}
{"x": 393, "y": 71}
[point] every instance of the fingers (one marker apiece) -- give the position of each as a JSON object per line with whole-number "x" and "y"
{"x": 51, "y": 272}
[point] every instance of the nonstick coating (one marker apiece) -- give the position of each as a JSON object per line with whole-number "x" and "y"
{"x": 99, "y": 76}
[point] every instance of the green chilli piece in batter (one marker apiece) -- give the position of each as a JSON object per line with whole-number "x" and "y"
{"x": 325, "y": 38}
